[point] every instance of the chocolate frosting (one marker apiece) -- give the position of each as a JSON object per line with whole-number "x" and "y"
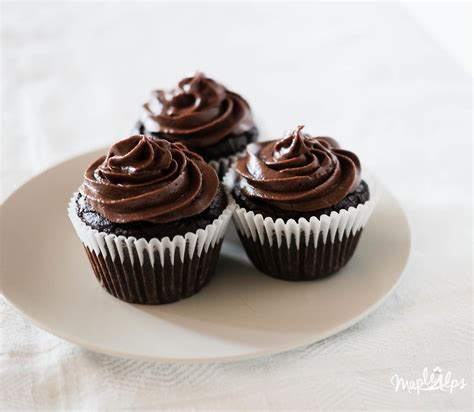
{"x": 199, "y": 112}
{"x": 298, "y": 173}
{"x": 146, "y": 179}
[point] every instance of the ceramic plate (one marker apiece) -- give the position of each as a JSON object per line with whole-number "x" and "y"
{"x": 240, "y": 314}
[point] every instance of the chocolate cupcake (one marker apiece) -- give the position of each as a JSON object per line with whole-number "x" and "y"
{"x": 301, "y": 205}
{"x": 203, "y": 115}
{"x": 151, "y": 216}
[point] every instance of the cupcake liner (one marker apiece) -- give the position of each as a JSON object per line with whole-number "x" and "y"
{"x": 157, "y": 271}
{"x": 303, "y": 249}
{"x": 224, "y": 164}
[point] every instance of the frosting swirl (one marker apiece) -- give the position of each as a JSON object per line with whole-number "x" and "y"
{"x": 298, "y": 173}
{"x": 148, "y": 179}
{"x": 199, "y": 112}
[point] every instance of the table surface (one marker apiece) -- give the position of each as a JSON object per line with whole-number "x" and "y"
{"x": 74, "y": 77}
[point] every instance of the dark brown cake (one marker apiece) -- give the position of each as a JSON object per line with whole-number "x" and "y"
{"x": 149, "y": 230}
{"x": 228, "y": 146}
{"x": 360, "y": 195}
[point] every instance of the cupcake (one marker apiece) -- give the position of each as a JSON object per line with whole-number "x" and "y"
{"x": 301, "y": 205}
{"x": 203, "y": 115}
{"x": 151, "y": 216}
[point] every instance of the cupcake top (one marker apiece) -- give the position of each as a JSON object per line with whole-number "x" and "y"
{"x": 146, "y": 179}
{"x": 298, "y": 173}
{"x": 199, "y": 112}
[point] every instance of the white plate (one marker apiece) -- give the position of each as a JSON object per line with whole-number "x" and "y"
{"x": 240, "y": 314}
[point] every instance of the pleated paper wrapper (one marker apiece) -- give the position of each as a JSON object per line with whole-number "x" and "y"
{"x": 303, "y": 249}
{"x": 224, "y": 164}
{"x": 157, "y": 271}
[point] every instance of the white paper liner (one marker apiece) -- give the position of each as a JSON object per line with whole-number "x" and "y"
{"x": 223, "y": 164}
{"x": 347, "y": 222}
{"x": 192, "y": 243}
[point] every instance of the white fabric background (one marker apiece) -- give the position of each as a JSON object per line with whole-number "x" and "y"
{"x": 74, "y": 77}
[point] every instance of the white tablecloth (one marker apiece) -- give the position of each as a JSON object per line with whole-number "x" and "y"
{"x": 74, "y": 77}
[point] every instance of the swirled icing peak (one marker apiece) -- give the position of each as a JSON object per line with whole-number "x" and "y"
{"x": 146, "y": 179}
{"x": 299, "y": 172}
{"x": 199, "y": 112}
